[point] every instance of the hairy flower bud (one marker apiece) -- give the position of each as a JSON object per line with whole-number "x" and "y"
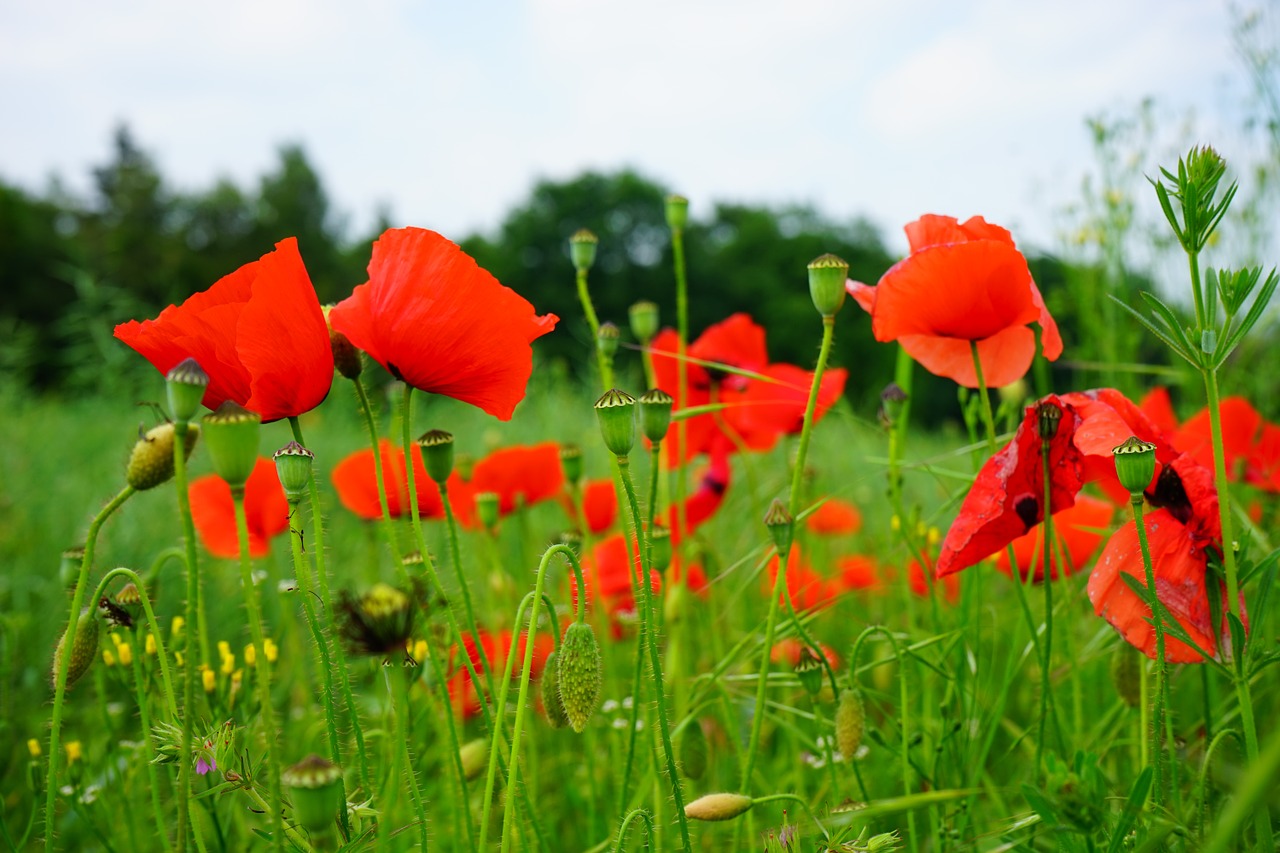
{"x": 151, "y": 462}
{"x": 580, "y": 670}
{"x": 718, "y": 807}
{"x": 84, "y": 648}
{"x": 475, "y": 757}
{"x": 781, "y": 526}
{"x": 850, "y": 723}
{"x": 551, "y": 702}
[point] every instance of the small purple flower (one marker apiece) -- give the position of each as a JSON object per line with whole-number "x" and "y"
{"x": 203, "y": 767}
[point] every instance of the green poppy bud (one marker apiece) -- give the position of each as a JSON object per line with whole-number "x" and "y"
{"x": 693, "y": 750}
{"x": 616, "y": 411}
{"x": 293, "y": 467}
{"x": 232, "y": 434}
{"x": 827, "y": 277}
{"x": 655, "y": 413}
{"x": 809, "y": 671}
{"x": 185, "y": 385}
{"x": 437, "y": 454}
{"x": 571, "y": 462}
{"x": 313, "y": 783}
{"x": 582, "y": 249}
{"x": 644, "y": 320}
{"x": 151, "y": 461}
{"x": 851, "y": 720}
{"x": 659, "y": 548}
{"x": 475, "y": 757}
{"x": 677, "y": 212}
{"x": 580, "y": 671}
{"x": 718, "y": 807}
{"x": 892, "y": 399}
{"x": 487, "y": 509}
{"x": 1126, "y": 675}
{"x": 69, "y": 565}
{"x": 551, "y": 702}
{"x": 607, "y": 339}
{"x": 1047, "y": 418}
{"x": 1135, "y": 464}
{"x": 781, "y": 526}
{"x": 84, "y": 648}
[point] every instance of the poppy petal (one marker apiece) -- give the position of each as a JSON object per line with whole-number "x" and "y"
{"x": 1078, "y": 530}
{"x": 1006, "y": 356}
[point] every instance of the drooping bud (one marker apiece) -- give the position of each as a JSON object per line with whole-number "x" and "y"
{"x": 1126, "y": 675}
{"x": 84, "y": 648}
{"x": 616, "y": 411}
{"x": 644, "y": 320}
{"x": 151, "y": 462}
{"x": 718, "y": 807}
{"x": 1047, "y": 418}
{"x": 571, "y": 462}
{"x": 437, "y": 453}
{"x": 655, "y": 413}
{"x": 827, "y": 277}
{"x": 232, "y": 434}
{"x": 475, "y": 757}
{"x": 809, "y": 670}
{"x": 693, "y": 750}
{"x": 891, "y": 401}
{"x": 659, "y": 548}
{"x": 346, "y": 358}
{"x": 580, "y": 673}
{"x": 293, "y": 467}
{"x": 185, "y": 385}
{"x": 1135, "y": 464}
{"x": 487, "y": 506}
{"x": 313, "y": 782}
{"x": 851, "y": 721}
{"x": 607, "y": 339}
{"x": 781, "y": 526}
{"x": 582, "y": 249}
{"x": 551, "y": 702}
{"x": 677, "y": 212}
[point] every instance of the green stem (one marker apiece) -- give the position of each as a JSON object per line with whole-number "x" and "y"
{"x": 455, "y": 556}
{"x": 144, "y": 718}
{"x": 195, "y": 621}
{"x": 626, "y": 824}
{"x": 1158, "y": 727}
{"x": 387, "y": 525}
{"x": 399, "y": 690}
{"x": 63, "y": 663}
{"x": 262, "y": 669}
{"x": 1046, "y": 696}
{"x": 904, "y": 722}
{"x": 602, "y": 361}
{"x": 682, "y": 381}
{"x": 797, "y": 475}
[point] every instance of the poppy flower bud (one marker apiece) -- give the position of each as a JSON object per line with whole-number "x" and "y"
{"x": 313, "y": 782}
{"x": 151, "y": 461}
{"x": 827, "y": 277}
{"x": 1047, "y": 417}
{"x": 850, "y": 723}
{"x": 607, "y": 339}
{"x": 293, "y": 467}
{"x": 781, "y": 525}
{"x": 487, "y": 509}
{"x": 232, "y": 434}
{"x": 891, "y": 400}
{"x": 582, "y": 249}
{"x": 346, "y": 358}
{"x": 571, "y": 462}
{"x": 655, "y": 413}
{"x": 84, "y": 648}
{"x": 718, "y": 807}
{"x": 1135, "y": 464}
{"x": 616, "y": 411}
{"x": 475, "y": 757}
{"x": 677, "y": 212}
{"x": 185, "y": 385}
{"x": 580, "y": 671}
{"x": 437, "y": 453}
{"x": 659, "y": 548}
{"x": 809, "y": 670}
{"x": 69, "y": 566}
{"x": 644, "y": 320}
{"x": 380, "y": 622}
{"x": 551, "y": 702}
{"x": 693, "y": 750}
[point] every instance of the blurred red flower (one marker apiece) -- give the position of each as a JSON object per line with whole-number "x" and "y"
{"x": 265, "y": 507}
{"x": 433, "y": 318}
{"x": 1078, "y": 531}
{"x": 518, "y": 475}
{"x": 788, "y": 651}
{"x": 356, "y": 482}
{"x": 808, "y": 588}
{"x": 599, "y": 505}
{"x": 699, "y": 507}
{"x": 494, "y": 647}
{"x": 1262, "y": 467}
{"x": 919, "y": 582}
{"x": 835, "y": 517}
{"x": 962, "y": 283}
{"x": 258, "y": 333}
{"x": 608, "y": 582}
{"x": 860, "y": 572}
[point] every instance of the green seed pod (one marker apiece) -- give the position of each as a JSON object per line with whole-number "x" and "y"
{"x": 346, "y": 358}
{"x": 313, "y": 782}
{"x": 151, "y": 462}
{"x": 677, "y": 212}
{"x": 644, "y": 320}
{"x": 437, "y": 453}
{"x": 580, "y": 673}
{"x": 693, "y": 750}
{"x": 607, "y": 339}
{"x": 1126, "y": 675}
{"x": 827, "y": 277}
{"x": 475, "y": 757}
{"x": 809, "y": 670}
{"x": 487, "y": 509}
{"x": 851, "y": 722}
{"x": 232, "y": 434}
{"x": 1135, "y": 464}
{"x": 185, "y": 385}
{"x": 551, "y": 702}
{"x": 655, "y": 413}
{"x": 659, "y": 548}
{"x": 1047, "y": 418}
{"x": 293, "y": 467}
{"x": 616, "y": 411}
{"x": 781, "y": 525}
{"x": 69, "y": 565}
{"x": 84, "y": 648}
{"x": 892, "y": 401}
{"x": 582, "y": 249}
{"x": 718, "y": 807}
{"x": 571, "y": 462}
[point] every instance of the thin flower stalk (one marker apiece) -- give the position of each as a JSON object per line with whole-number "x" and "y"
{"x": 144, "y": 719}
{"x": 388, "y": 528}
{"x": 468, "y": 609}
{"x": 398, "y": 687}
{"x": 195, "y": 620}
{"x": 1160, "y": 759}
{"x": 903, "y": 715}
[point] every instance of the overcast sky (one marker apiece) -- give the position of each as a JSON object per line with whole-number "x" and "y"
{"x": 448, "y": 112}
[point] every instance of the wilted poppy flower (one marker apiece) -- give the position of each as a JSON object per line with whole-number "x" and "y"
{"x": 494, "y": 646}
{"x": 258, "y": 332}
{"x": 355, "y": 479}
{"x": 608, "y": 581}
{"x": 699, "y": 507}
{"x": 599, "y": 505}
{"x": 835, "y": 517}
{"x": 1078, "y": 531}
{"x": 860, "y": 572}
{"x": 265, "y": 506}
{"x": 963, "y": 283}
{"x": 434, "y": 319}
{"x": 518, "y": 475}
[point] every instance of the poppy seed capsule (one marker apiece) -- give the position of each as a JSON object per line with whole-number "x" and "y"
{"x": 232, "y": 434}
{"x": 579, "y": 672}
{"x": 475, "y": 757}
{"x": 677, "y": 212}
{"x": 84, "y": 648}
{"x": 571, "y": 462}
{"x": 487, "y": 509}
{"x": 718, "y": 807}
{"x": 693, "y": 751}
{"x": 1047, "y": 418}
{"x": 659, "y": 548}
{"x": 313, "y": 782}
{"x": 781, "y": 526}
{"x": 827, "y": 276}
{"x": 607, "y": 339}
{"x": 655, "y": 413}
{"x": 151, "y": 462}
{"x": 346, "y": 358}
{"x": 582, "y": 249}
{"x": 1126, "y": 675}
{"x": 1135, "y": 464}
{"x": 69, "y": 565}
{"x": 644, "y": 320}
{"x": 850, "y": 723}
{"x": 551, "y": 702}
{"x": 616, "y": 411}
{"x": 892, "y": 400}
{"x": 293, "y": 468}
{"x": 437, "y": 453}
{"x": 185, "y": 385}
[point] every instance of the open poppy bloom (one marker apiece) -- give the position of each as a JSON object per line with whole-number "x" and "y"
{"x": 1077, "y": 530}
{"x": 757, "y": 409}
{"x": 599, "y": 505}
{"x": 963, "y": 283}
{"x": 494, "y": 646}
{"x": 355, "y": 479}
{"x": 1240, "y": 426}
{"x": 1262, "y": 467}
{"x": 258, "y": 333}
{"x": 265, "y": 507}
{"x": 608, "y": 581}
{"x": 834, "y": 518}
{"x": 434, "y": 319}
{"x": 699, "y": 507}
{"x": 518, "y": 475}
{"x": 859, "y": 572}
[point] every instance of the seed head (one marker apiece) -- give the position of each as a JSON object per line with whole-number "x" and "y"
{"x": 644, "y": 321}
{"x": 655, "y": 413}
{"x": 437, "y": 453}
{"x": 293, "y": 467}
{"x": 582, "y": 249}
{"x": 827, "y": 277}
{"x": 607, "y": 339}
{"x": 232, "y": 434}
{"x": 185, "y": 385}
{"x": 571, "y": 462}
{"x": 781, "y": 526}
{"x": 616, "y": 411}
{"x": 677, "y": 212}
{"x": 1135, "y": 464}
{"x": 313, "y": 782}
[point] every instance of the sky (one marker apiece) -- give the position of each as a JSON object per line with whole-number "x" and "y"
{"x": 448, "y": 113}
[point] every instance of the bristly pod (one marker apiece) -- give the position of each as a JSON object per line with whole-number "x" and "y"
{"x": 84, "y": 648}
{"x": 551, "y": 702}
{"x": 151, "y": 461}
{"x": 851, "y": 720}
{"x": 579, "y": 672}
{"x": 693, "y": 750}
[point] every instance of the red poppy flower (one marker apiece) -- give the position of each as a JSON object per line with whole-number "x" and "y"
{"x": 608, "y": 583}
{"x": 599, "y": 505}
{"x": 357, "y": 484}
{"x": 860, "y": 572}
{"x": 518, "y": 475}
{"x": 258, "y": 332}
{"x": 808, "y": 589}
{"x": 962, "y": 283}
{"x": 788, "y": 651}
{"x": 834, "y": 518}
{"x": 265, "y": 507}
{"x": 699, "y": 507}
{"x": 433, "y": 318}
{"x": 1078, "y": 531}
{"x": 495, "y": 647}
{"x": 919, "y": 583}
{"x": 697, "y": 583}
{"x": 1240, "y": 425}
{"x": 1262, "y": 468}
{"x": 1157, "y": 406}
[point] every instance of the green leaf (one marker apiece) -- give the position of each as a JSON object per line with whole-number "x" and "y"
{"x": 1238, "y": 647}
{"x": 1132, "y": 808}
{"x": 1251, "y": 318}
{"x": 1041, "y": 805}
{"x": 1165, "y": 313}
{"x": 1163, "y": 336}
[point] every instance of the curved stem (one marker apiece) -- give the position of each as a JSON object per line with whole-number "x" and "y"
{"x": 626, "y": 824}
{"x": 602, "y": 361}
{"x": 500, "y": 710}
{"x": 682, "y": 381}
{"x": 152, "y": 625}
